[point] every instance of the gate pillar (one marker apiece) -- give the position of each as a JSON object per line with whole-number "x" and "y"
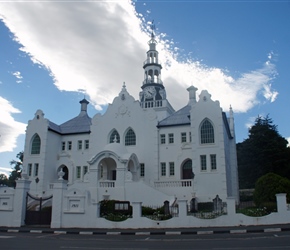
{"x": 57, "y": 203}
{"x": 22, "y": 187}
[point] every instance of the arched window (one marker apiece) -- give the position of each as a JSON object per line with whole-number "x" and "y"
{"x": 130, "y": 138}
{"x": 35, "y": 145}
{"x": 206, "y": 132}
{"x": 115, "y": 137}
{"x": 187, "y": 170}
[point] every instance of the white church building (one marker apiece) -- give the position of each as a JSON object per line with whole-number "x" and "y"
{"x": 138, "y": 150}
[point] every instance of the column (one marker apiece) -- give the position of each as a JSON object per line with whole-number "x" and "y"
{"x": 59, "y": 187}
{"x": 231, "y": 205}
{"x": 182, "y": 208}
{"x": 137, "y": 209}
{"x": 281, "y": 203}
{"x": 22, "y": 187}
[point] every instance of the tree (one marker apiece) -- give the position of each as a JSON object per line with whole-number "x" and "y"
{"x": 263, "y": 152}
{"x": 16, "y": 170}
{"x": 3, "y": 180}
{"x": 268, "y": 186}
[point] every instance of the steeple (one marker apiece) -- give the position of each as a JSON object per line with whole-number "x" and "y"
{"x": 153, "y": 94}
{"x": 152, "y": 67}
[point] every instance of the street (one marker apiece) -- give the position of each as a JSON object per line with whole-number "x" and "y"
{"x": 279, "y": 240}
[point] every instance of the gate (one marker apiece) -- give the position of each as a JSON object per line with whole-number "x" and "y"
{"x": 38, "y": 210}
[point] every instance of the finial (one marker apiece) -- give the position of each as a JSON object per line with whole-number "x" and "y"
{"x": 231, "y": 111}
{"x": 152, "y": 26}
{"x": 124, "y": 85}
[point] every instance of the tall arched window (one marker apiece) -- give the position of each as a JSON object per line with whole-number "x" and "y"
{"x": 206, "y": 132}
{"x": 187, "y": 170}
{"x": 115, "y": 137}
{"x": 130, "y": 138}
{"x": 35, "y": 145}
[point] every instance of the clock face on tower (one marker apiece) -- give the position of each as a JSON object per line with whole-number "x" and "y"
{"x": 149, "y": 92}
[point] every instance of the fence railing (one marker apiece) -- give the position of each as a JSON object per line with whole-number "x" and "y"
{"x": 182, "y": 183}
{"x": 107, "y": 184}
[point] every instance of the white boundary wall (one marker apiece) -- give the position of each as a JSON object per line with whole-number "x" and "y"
{"x": 82, "y": 212}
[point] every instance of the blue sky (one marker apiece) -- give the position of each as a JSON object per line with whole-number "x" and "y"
{"x": 52, "y": 53}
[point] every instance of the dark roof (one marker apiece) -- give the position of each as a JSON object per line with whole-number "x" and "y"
{"x": 180, "y": 117}
{"x": 78, "y": 125}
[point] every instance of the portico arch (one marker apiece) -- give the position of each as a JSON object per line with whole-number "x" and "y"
{"x": 133, "y": 166}
{"x": 108, "y": 169}
{"x": 108, "y": 163}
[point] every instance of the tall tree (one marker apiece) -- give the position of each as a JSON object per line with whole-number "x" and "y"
{"x": 263, "y": 152}
{"x": 16, "y": 169}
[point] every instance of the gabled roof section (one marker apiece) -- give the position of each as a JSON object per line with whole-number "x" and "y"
{"x": 78, "y": 125}
{"x": 180, "y": 117}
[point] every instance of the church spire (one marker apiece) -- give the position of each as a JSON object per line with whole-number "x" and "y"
{"x": 153, "y": 94}
{"x": 152, "y": 67}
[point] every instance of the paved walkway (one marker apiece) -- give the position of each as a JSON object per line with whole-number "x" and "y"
{"x": 172, "y": 231}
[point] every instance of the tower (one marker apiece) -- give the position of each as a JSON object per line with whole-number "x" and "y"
{"x": 153, "y": 94}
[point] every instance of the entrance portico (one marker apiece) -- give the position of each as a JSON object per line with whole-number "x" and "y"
{"x": 114, "y": 165}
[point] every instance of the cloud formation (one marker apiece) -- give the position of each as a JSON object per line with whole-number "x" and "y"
{"x": 93, "y": 47}
{"x": 9, "y": 128}
{"x": 18, "y": 75}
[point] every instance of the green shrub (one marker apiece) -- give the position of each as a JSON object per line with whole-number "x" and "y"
{"x": 147, "y": 211}
{"x": 108, "y": 207}
{"x": 155, "y": 213}
{"x": 205, "y": 206}
{"x": 268, "y": 186}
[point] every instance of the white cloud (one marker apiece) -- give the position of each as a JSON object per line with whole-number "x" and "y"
{"x": 96, "y": 46}
{"x": 18, "y": 75}
{"x": 9, "y": 128}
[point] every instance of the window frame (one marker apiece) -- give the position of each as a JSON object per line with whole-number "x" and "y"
{"x": 142, "y": 170}
{"x": 35, "y": 145}
{"x": 130, "y": 138}
{"x": 213, "y": 163}
{"x": 114, "y": 133}
{"x": 36, "y": 169}
{"x": 203, "y": 163}
{"x": 80, "y": 144}
{"x": 171, "y": 138}
{"x": 69, "y": 145}
{"x": 183, "y": 137}
{"x": 29, "y": 169}
{"x": 171, "y": 169}
{"x": 87, "y": 144}
{"x": 78, "y": 172}
{"x": 163, "y": 168}
{"x": 207, "y": 135}
{"x": 162, "y": 139}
